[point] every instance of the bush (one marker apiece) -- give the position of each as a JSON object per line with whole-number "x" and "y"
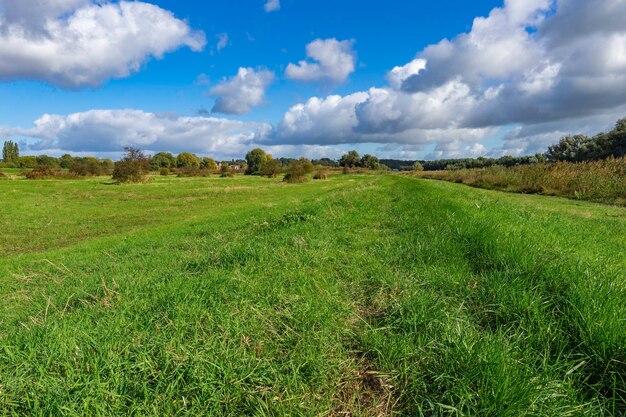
{"x": 43, "y": 172}
{"x": 133, "y": 167}
{"x": 192, "y": 172}
{"x": 271, "y": 168}
{"x": 226, "y": 171}
{"x": 164, "y": 171}
{"x": 297, "y": 171}
{"x": 89, "y": 166}
{"x": 601, "y": 180}
{"x": 320, "y": 175}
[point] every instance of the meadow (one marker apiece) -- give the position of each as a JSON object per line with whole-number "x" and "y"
{"x": 601, "y": 181}
{"x": 359, "y": 295}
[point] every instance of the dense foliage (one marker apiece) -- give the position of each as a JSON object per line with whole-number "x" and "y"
{"x": 10, "y": 153}
{"x": 133, "y": 167}
{"x": 577, "y": 148}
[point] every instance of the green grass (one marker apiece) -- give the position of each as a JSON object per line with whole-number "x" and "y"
{"x": 358, "y": 295}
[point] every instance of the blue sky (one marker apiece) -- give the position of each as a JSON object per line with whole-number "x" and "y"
{"x": 462, "y": 97}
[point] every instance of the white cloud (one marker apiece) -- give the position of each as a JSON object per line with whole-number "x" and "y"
{"x": 222, "y": 41}
{"x": 537, "y": 64}
{"x": 240, "y": 93}
{"x": 107, "y": 132}
{"x": 271, "y": 5}
{"x": 112, "y": 130}
{"x": 333, "y": 62}
{"x": 76, "y": 43}
{"x": 400, "y": 74}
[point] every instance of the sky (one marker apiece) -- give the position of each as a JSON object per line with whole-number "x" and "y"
{"x": 399, "y": 79}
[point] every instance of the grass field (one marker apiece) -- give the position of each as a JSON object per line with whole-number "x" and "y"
{"x": 359, "y": 295}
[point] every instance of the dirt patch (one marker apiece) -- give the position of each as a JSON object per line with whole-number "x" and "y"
{"x": 364, "y": 391}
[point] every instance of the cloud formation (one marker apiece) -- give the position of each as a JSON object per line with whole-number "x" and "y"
{"x": 271, "y": 5}
{"x": 107, "y": 132}
{"x": 532, "y": 63}
{"x": 78, "y": 43}
{"x": 331, "y": 61}
{"x": 240, "y": 93}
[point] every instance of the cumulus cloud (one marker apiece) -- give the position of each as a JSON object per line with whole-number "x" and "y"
{"x": 78, "y": 43}
{"x": 107, "y": 132}
{"x": 331, "y": 61}
{"x": 240, "y": 93}
{"x": 534, "y": 64}
{"x": 271, "y": 5}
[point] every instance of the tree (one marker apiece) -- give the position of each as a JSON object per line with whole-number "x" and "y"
{"x": 133, "y": 167}
{"x": 10, "y": 153}
{"x": 567, "y": 149}
{"x": 271, "y": 168}
{"x": 297, "y": 171}
{"x": 350, "y": 160}
{"x": 226, "y": 171}
{"x": 66, "y": 161}
{"x": 187, "y": 160}
{"x": 208, "y": 163}
{"x": 417, "y": 166}
{"x": 162, "y": 160}
{"x": 255, "y": 159}
{"x": 48, "y": 161}
{"x": 370, "y": 162}
{"x": 27, "y": 162}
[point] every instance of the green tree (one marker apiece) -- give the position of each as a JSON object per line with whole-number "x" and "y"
{"x": 187, "y": 160}
{"x": 27, "y": 162}
{"x": 162, "y": 160}
{"x": 47, "y": 161}
{"x": 417, "y": 166}
{"x": 66, "y": 161}
{"x": 271, "y": 168}
{"x": 350, "y": 160}
{"x": 10, "y": 153}
{"x": 208, "y": 163}
{"x": 568, "y": 148}
{"x": 133, "y": 167}
{"x": 297, "y": 171}
{"x": 255, "y": 159}
{"x": 370, "y": 162}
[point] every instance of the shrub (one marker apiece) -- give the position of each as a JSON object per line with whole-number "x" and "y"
{"x": 91, "y": 166}
{"x": 192, "y": 172}
{"x": 164, "y": 171}
{"x": 226, "y": 171}
{"x": 601, "y": 180}
{"x": 43, "y": 172}
{"x": 297, "y": 171}
{"x": 133, "y": 167}
{"x": 320, "y": 175}
{"x": 271, "y": 168}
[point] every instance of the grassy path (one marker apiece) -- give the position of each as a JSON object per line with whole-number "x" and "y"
{"x": 356, "y": 296}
